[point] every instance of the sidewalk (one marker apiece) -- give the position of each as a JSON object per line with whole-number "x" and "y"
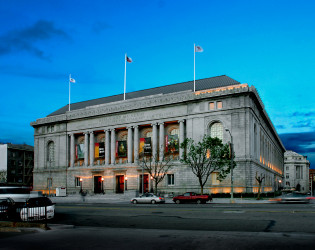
{"x": 122, "y": 199}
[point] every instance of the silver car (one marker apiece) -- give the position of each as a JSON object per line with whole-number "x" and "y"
{"x": 148, "y": 198}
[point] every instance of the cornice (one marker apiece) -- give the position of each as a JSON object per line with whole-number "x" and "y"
{"x": 141, "y": 103}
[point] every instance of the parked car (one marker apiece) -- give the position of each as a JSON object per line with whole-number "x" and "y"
{"x": 292, "y": 198}
{"x": 37, "y": 208}
{"x": 148, "y": 198}
{"x": 191, "y": 197}
{"x": 7, "y": 208}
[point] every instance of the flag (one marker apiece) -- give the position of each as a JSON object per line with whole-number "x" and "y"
{"x": 198, "y": 48}
{"x": 128, "y": 59}
{"x": 72, "y": 80}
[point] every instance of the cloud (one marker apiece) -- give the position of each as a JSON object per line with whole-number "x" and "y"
{"x": 302, "y": 143}
{"x": 304, "y": 124}
{"x": 280, "y": 126}
{"x": 99, "y": 27}
{"x": 25, "y": 39}
{"x": 305, "y": 114}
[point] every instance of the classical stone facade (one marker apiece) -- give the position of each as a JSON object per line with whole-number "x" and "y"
{"x": 98, "y": 145}
{"x": 296, "y": 172}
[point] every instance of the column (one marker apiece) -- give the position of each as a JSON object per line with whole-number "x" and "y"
{"x": 113, "y": 146}
{"x": 129, "y": 146}
{"x": 181, "y": 137}
{"x": 91, "y": 148}
{"x": 136, "y": 143}
{"x": 86, "y": 148}
{"x": 107, "y": 147}
{"x": 154, "y": 143}
{"x": 72, "y": 149}
{"x": 162, "y": 141}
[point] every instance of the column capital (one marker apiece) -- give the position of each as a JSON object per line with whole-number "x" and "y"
{"x": 129, "y": 127}
{"x": 135, "y": 126}
{"x": 154, "y": 124}
{"x": 161, "y": 123}
{"x": 112, "y": 129}
{"x": 86, "y": 132}
{"x": 182, "y": 120}
{"x": 71, "y": 134}
{"x": 91, "y": 132}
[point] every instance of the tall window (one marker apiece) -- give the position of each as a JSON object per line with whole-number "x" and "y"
{"x": 170, "y": 180}
{"x": 299, "y": 172}
{"x": 77, "y": 182}
{"x": 216, "y": 130}
{"x": 51, "y": 152}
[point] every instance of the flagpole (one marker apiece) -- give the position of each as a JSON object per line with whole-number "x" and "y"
{"x": 69, "y": 90}
{"x": 194, "y": 67}
{"x": 125, "y": 76}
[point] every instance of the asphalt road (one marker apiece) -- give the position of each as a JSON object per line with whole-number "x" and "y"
{"x": 172, "y": 226}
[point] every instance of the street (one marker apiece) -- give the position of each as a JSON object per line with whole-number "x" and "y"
{"x": 183, "y": 226}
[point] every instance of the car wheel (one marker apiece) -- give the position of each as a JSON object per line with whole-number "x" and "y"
{"x": 134, "y": 202}
{"x": 177, "y": 201}
{"x": 153, "y": 201}
{"x": 198, "y": 201}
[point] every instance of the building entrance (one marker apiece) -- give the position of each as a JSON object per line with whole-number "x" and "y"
{"x": 120, "y": 184}
{"x": 145, "y": 183}
{"x": 98, "y": 184}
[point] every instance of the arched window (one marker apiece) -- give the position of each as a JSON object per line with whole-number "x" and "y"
{"x": 51, "y": 152}
{"x": 216, "y": 130}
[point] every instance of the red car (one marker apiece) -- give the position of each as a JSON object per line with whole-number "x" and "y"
{"x": 191, "y": 197}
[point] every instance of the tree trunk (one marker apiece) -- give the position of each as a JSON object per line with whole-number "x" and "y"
{"x": 259, "y": 187}
{"x": 155, "y": 189}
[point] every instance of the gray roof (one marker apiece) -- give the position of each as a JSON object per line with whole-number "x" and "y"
{"x": 202, "y": 84}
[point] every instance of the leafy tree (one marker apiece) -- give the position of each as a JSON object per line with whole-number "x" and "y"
{"x": 207, "y": 156}
{"x": 156, "y": 168}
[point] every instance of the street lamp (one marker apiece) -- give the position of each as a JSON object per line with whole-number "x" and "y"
{"x": 231, "y": 164}
{"x": 81, "y": 185}
{"x": 102, "y": 185}
{"x": 126, "y": 179}
{"x": 279, "y": 184}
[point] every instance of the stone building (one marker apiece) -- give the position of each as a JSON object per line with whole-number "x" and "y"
{"x": 99, "y": 145}
{"x": 296, "y": 171}
{"x": 17, "y": 162}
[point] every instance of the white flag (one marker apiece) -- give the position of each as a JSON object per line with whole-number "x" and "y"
{"x": 198, "y": 48}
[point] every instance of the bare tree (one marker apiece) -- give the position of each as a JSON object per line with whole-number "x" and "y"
{"x": 207, "y": 156}
{"x": 259, "y": 180}
{"x": 157, "y": 168}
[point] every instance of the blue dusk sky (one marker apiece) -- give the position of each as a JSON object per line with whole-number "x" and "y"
{"x": 268, "y": 44}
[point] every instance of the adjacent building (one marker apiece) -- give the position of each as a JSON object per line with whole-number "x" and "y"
{"x": 16, "y": 164}
{"x": 312, "y": 181}
{"x": 99, "y": 144}
{"x": 296, "y": 172}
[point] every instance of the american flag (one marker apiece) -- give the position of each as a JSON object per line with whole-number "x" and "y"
{"x": 198, "y": 48}
{"x": 128, "y": 59}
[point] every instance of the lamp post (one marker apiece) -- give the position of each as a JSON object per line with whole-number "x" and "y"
{"x": 126, "y": 179}
{"x": 102, "y": 185}
{"x": 81, "y": 185}
{"x": 231, "y": 165}
{"x": 279, "y": 185}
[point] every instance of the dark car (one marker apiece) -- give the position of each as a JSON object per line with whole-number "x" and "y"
{"x": 38, "y": 208}
{"x": 7, "y": 208}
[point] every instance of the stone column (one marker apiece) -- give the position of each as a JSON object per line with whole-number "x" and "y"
{"x": 107, "y": 147}
{"x": 72, "y": 149}
{"x": 154, "y": 143}
{"x": 129, "y": 146}
{"x": 86, "y": 149}
{"x": 162, "y": 141}
{"x": 113, "y": 146}
{"x": 91, "y": 148}
{"x": 181, "y": 136}
{"x": 136, "y": 144}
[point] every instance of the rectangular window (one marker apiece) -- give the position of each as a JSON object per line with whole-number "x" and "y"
{"x": 219, "y": 105}
{"x": 287, "y": 176}
{"x": 211, "y": 105}
{"x": 170, "y": 180}
{"x": 298, "y": 171}
{"x": 287, "y": 168}
{"x": 77, "y": 181}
